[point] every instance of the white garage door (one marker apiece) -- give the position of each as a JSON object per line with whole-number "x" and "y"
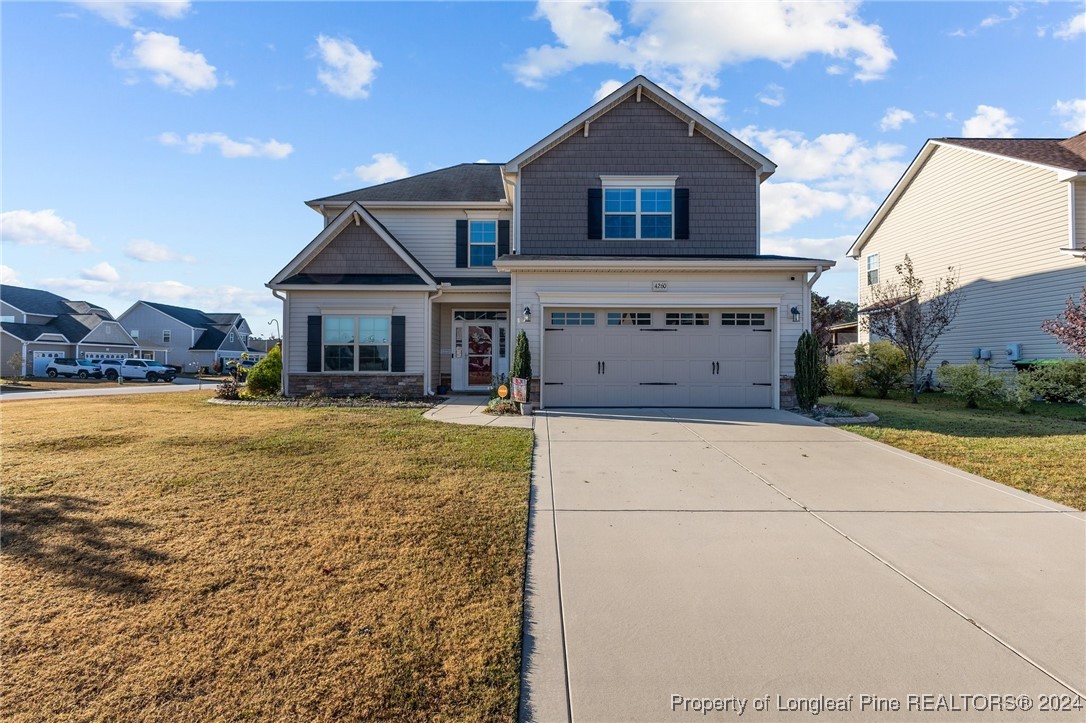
{"x": 42, "y": 360}
{"x": 657, "y": 357}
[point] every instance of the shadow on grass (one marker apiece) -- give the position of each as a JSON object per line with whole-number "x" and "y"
{"x": 66, "y": 538}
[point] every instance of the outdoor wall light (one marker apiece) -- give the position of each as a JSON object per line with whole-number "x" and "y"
{"x": 526, "y": 316}
{"x": 795, "y": 313}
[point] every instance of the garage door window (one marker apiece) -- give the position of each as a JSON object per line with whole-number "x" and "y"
{"x": 573, "y": 318}
{"x": 629, "y": 318}
{"x": 742, "y": 319}
{"x": 686, "y": 318}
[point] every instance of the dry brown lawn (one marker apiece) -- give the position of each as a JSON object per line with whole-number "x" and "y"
{"x": 169, "y": 559}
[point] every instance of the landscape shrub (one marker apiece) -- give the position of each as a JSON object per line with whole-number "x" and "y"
{"x": 1020, "y": 391}
{"x": 841, "y": 378}
{"x": 1063, "y": 382}
{"x": 266, "y": 376}
{"x": 971, "y": 383}
{"x": 228, "y": 389}
{"x": 880, "y": 367}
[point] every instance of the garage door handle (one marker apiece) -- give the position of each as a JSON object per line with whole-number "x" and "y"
{"x": 659, "y": 384}
{"x": 557, "y": 328}
{"x": 657, "y": 329}
{"x": 763, "y": 384}
{"x": 765, "y": 330}
{"x": 553, "y": 384}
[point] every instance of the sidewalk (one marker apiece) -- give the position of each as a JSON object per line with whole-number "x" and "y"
{"x": 468, "y": 409}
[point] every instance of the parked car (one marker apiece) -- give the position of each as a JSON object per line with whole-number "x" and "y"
{"x": 146, "y": 369}
{"x": 82, "y": 368}
{"x": 241, "y": 369}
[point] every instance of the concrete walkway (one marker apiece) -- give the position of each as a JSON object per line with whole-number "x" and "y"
{"x": 181, "y": 384}
{"x": 741, "y": 555}
{"x": 468, "y": 409}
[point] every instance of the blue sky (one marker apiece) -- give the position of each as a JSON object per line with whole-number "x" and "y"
{"x": 163, "y": 150}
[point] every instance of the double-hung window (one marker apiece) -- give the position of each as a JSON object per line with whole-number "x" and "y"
{"x": 165, "y": 336}
{"x": 482, "y": 243}
{"x": 356, "y": 343}
{"x": 638, "y": 213}
{"x": 872, "y": 269}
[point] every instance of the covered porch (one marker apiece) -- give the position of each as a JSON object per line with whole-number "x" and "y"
{"x": 471, "y": 341}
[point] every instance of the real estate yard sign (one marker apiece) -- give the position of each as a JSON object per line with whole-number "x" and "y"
{"x": 520, "y": 390}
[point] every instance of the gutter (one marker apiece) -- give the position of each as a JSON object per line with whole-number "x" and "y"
{"x": 428, "y": 339}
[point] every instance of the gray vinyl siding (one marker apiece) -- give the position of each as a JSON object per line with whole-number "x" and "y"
{"x": 9, "y": 310}
{"x": 151, "y": 323}
{"x": 9, "y": 345}
{"x": 430, "y": 235}
{"x": 1080, "y": 214}
{"x": 1001, "y": 225}
{"x": 357, "y": 250}
{"x": 638, "y": 139}
{"x": 108, "y": 332}
{"x": 409, "y": 304}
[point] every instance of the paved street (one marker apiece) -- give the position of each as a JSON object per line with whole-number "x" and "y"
{"x": 181, "y": 384}
{"x": 676, "y": 555}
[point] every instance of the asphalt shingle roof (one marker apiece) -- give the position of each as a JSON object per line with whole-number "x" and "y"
{"x": 210, "y": 340}
{"x": 26, "y": 332}
{"x": 193, "y": 317}
{"x": 34, "y": 301}
{"x": 1066, "y": 153}
{"x": 463, "y": 182}
{"x": 356, "y": 279}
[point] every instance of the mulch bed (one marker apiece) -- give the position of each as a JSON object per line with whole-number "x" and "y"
{"x": 357, "y": 402}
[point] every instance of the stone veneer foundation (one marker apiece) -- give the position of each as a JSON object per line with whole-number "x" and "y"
{"x": 380, "y": 386}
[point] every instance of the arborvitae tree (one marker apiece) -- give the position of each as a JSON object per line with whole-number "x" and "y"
{"x": 809, "y": 371}
{"x": 522, "y": 358}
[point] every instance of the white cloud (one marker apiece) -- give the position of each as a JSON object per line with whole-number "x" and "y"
{"x": 1072, "y": 28}
{"x": 100, "y": 272}
{"x": 170, "y": 64}
{"x": 346, "y": 70}
{"x": 124, "y": 13}
{"x": 9, "y": 276}
{"x": 228, "y": 147}
{"x": 1073, "y": 113}
{"x": 151, "y": 252}
{"x": 41, "y": 228}
{"x": 813, "y": 248}
{"x": 606, "y": 88}
{"x": 895, "y": 118}
{"x": 772, "y": 96}
{"x": 990, "y": 122}
{"x": 685, "y": 45}
{"x": 385, "y": 167}
{"x": 786, "y": 204}
{"x": 1013, "y": 11}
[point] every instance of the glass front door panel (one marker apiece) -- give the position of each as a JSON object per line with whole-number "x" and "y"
{"x": 480, "y": 355}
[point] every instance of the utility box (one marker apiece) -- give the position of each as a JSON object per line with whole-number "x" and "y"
{"x": 1014, "y": 352}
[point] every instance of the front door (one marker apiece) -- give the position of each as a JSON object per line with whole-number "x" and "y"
{"x": 480, "y": 352}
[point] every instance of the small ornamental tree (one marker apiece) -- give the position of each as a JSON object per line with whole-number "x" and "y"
{"x": 912, "y": 315}
{"x": 1070, "y": 326}
{"x": 809, "y": 371}
{"x": 521, "y": 367}
{"x": 15, "y": 363}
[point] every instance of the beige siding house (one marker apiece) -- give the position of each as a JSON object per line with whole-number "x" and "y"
{"x": 1010, "y": 216}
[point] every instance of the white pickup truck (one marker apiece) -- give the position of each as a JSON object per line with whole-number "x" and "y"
{"x": 145, "y": 369}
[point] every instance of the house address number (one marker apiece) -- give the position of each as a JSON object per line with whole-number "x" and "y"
{"x": 659, "y": 286}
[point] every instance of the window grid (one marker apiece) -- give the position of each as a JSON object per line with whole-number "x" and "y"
{"x": 480, "y": 315}
{"x": 638, "y": 213}
{"x": 872, "y": 269}
{"x": 686, "y": 318}
{"x": 629, "y": 318}
{"x": 165, "y": 336}
{"x": 573, "y": 318}
{"x": 357, "y": 344}
{"x": 742, "y": 319}
{"x": 482, "y": 243}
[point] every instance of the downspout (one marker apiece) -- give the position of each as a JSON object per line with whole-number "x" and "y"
{"x": 24, "y": 355}
{"x": 428, "y": 368}
{"x": 809, "y": 285}
{"x": 283, "y": 343}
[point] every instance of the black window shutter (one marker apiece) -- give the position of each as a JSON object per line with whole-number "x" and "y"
{"x": 313, "y": 345}
{"x": 595, "y": 213}
{"x": 399, "y": 351}
{"x": 462, "y": 243}
{"x": 682, "y": 213}
{"x": 503, "y": 238}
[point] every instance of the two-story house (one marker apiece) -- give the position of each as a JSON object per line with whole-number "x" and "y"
{"x": 626, "y": 245}
{"x": 41, "y": 326}
{"x": 1009, "y": 215}
{"x": 187, "y": 338}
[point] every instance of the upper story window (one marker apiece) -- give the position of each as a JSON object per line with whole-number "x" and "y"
{"x": 872, "y": 269}
{"x": 8, "y": 318}
{"x": 638, "y": 213}
{"x": 165, "y": 336}
{"x": 482, "y": 243}
{"x": 135, "y": 333}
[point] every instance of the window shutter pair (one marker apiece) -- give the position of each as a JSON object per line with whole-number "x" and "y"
{"x": 398, "y": 350}
{"x": 681, "y": 210}
{"x": 462, "y": 241}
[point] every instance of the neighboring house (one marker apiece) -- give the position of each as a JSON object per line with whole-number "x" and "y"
{"x": 844, "y": 335}
{"x": 626, "y": 245}
{"x": 188, "y": 338}
{"x": 1009, "y": 214}
{"x": 42, "y": 326}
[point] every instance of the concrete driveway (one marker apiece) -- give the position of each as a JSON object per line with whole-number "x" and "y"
{"x": 746, "y": 559}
